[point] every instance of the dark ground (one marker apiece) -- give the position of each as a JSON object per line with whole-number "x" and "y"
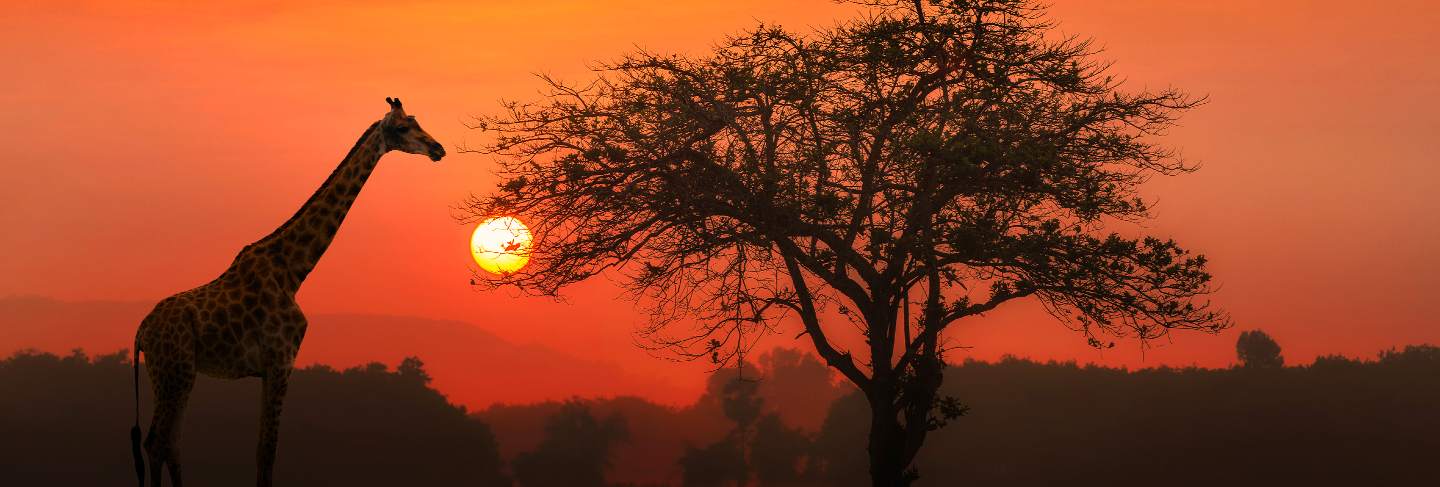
{"x": 64, "y": 421}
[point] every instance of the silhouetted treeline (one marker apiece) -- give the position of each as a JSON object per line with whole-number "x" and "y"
{"x": 64, "y": 420}
{"x": 1338, "y": 421}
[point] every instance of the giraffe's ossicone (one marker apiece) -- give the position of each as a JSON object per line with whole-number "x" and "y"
{"x": 245, "y": 323}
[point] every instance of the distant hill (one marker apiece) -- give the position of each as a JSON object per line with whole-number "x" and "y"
{"x": 470, "y": 365}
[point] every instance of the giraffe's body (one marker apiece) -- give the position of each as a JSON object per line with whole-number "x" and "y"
{"x": 246, "y": 323}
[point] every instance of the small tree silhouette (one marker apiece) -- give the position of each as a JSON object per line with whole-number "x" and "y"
{"x": 777, "y": 453}
{"x": 797, "y": 386}
{"x": 575, "y": 452}
{"x": 1257, "y": 350}
{"x": 720, "y": 464}
{"x": 724, "y": 462}
{"x": 742, "y": 403}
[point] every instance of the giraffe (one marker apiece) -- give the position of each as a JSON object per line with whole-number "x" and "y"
{"x": 245, "y": 323}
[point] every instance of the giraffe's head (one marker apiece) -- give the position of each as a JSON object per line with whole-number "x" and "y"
{"x": 404, "y": 134}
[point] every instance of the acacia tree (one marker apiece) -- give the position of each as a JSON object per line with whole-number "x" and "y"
{"x": 953, "y": 154}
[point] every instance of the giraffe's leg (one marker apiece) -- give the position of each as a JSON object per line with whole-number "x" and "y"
{"x": 172, "y": 381}
{"x": 274, "y": 385}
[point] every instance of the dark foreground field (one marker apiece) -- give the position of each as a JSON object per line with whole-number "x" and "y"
{"x": 64, "y": 421}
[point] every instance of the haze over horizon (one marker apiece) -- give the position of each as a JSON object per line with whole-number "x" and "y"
{"x": 149, "y": 142}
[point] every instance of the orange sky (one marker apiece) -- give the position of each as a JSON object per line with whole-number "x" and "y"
{"x": 145, "y": 143}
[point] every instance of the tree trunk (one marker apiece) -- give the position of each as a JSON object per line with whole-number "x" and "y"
{"x": 888, "y": 458}
{"x": 893, "y": 444}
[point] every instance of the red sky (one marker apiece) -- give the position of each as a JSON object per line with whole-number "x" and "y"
{"x": 144, "y": 143}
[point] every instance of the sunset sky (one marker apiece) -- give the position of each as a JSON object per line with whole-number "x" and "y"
{"x": 144, "y": 143}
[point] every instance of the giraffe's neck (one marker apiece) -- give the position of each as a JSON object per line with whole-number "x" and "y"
{"x": 289, "y": 253}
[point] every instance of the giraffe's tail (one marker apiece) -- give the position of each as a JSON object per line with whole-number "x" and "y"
{"x": 135, "y": 431}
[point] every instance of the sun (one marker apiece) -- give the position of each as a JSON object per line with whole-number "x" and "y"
{"x": 501, "y": 245}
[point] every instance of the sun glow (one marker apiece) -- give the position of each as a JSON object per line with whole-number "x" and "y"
{"x": 501, "y": 245}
